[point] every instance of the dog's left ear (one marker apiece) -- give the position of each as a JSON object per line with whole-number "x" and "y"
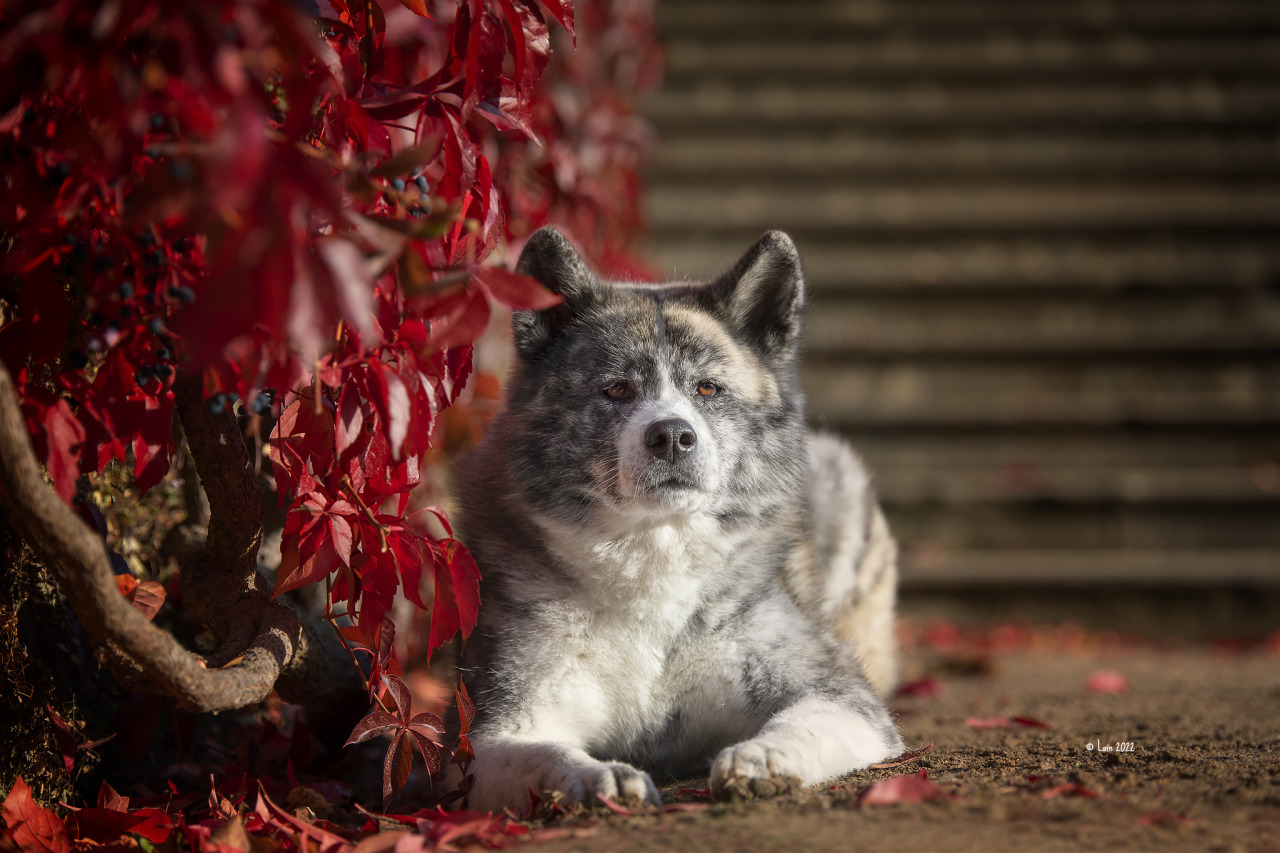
{"x": 763, "y": 295}
{"x": 549, "y": 257}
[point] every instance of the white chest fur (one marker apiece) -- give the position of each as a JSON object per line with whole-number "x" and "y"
{"x": 605, "y": 645}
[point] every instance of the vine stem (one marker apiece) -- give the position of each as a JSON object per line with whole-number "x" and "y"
{"x": 332, "y": 619}
{"x": 368, "y": 513}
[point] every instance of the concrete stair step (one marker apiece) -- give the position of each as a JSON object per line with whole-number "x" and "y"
{"x": 844, "y": 19}
{"x": 1055, "y": 525}
{"x": 965, "y": 394}
{"x": 853, "y": 263}
{"x": 1148, "y": 322}
{"x": 1010, "y": 207}
{"x": 992, "y": 56}
{"x": 712, "y": 159}
{"x": 771, "y": 107}
{"x": 936, "y": 568}
{"x": 1076, "y": 449}
{"x": 1032, "y": 482}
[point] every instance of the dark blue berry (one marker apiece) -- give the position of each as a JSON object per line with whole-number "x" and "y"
{"x": 218, "y": 405}
{"x": 157, "y": 121}
{"x": 162, "y": 354}
{"x": 70, "y": 239}
{"x": 181, "y": 171}
{"x": 161, "y": 371}
{"x": 398, "y": 183}
{"x": 183, "y": 294}
{"x": 261, "y": 405}
{"x": 156, "y": 325}
{"x": 60, "y": 172}
{"x": 421, "y": 181}
{"x": 125, "y": 290}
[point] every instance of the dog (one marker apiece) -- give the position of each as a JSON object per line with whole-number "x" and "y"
{"x": 677, "y": 574}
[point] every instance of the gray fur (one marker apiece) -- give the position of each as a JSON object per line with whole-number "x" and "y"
{"x": 670, "y": 608}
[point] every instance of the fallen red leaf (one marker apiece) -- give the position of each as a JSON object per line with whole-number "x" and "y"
{"x": 1106, "y": 681}
{"x": 906, "y": 758}
{"x": 925, "y": 688}
{"x": 1069, "y": 789}
{"x": 902, "y": 789}
{"x": 32, "y": 827}
{"x": 620, "y": 809}
{"x": 1030, "y": 723}
{"x": 1003, "y": 722}
{"x": 704, "y": 793}
{"x": 102, "y": 825}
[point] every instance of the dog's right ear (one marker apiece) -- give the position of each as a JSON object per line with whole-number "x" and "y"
{"x": 550, "y": 258}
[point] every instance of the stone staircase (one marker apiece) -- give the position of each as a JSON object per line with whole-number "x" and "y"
{"x": 1043, "y": 242}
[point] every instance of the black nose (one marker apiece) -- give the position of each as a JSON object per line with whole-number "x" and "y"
{"x": 672, "y": 439}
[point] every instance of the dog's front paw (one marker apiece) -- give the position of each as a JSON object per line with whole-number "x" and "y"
{"x": 617, "y": 781}
{"x": 755, "y": 768}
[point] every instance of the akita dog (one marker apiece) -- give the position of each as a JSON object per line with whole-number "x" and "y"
{"x": 678, "y": 575}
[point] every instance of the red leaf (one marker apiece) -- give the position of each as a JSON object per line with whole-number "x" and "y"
{"x": 1106, "y": 681}
{"x": 1070, "y": 789}
{"x": 562, "y": 10}
{"x": 102, "y": 825}
{"x": 1030, "y": 723}
{"x": 514, "y": 290}
{"x": 925, "y": 688}
{"x": 109, "y": 799}
{"x": 466, "y": 708}
{"x": 417, "y": 7}
{"x": 485, "y": 48}
{"x": 429, "y": 749}
{"x": 395, "y": 767}
{"x": 906, "y": 758}
{"x": 427, "y": 720}
{"x": 349, "y": 429}
{"x": 464, "y": 323}
{"x": 466, "y": 583}
{"x": 147, "y": 597}
{"x": 400, "y": 695}
{"x": 32, "y": 827}
{"x": 340, "y": 532}
{"x": 902, "y": 789}
{"x": 375, "y": 723}
{"x": 531, "y": 45}
{"x": 65, "y": 435}
{"x": 68, "y": 745}
{"x": 1003, "y": 722}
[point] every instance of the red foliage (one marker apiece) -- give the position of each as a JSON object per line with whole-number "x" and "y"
{"x": 306, "y": 211}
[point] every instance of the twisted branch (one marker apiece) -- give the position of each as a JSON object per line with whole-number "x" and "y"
{"x": 260, "y": 642}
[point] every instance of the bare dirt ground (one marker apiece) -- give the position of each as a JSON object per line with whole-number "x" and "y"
{"x": 1203, "y": 773}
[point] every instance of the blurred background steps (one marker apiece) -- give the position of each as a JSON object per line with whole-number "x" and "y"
{"x": 1043, "y": 245}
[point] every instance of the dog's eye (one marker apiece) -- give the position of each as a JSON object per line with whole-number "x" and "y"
{"x": 708, "y": 389}
{"x": 618, "y": 391}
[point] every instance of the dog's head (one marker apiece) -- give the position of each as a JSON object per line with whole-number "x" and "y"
{"x": 642, "y": 402}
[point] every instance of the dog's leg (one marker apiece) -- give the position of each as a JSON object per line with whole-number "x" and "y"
{"x": 506, "y": 770}
{"x": 814, "y": 740}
